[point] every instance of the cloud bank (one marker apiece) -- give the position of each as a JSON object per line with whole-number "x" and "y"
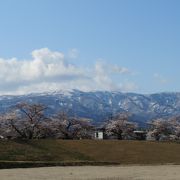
{"x": 50, "y": 71}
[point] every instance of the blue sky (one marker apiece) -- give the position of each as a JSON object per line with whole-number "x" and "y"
{"x": 125, "y": 45}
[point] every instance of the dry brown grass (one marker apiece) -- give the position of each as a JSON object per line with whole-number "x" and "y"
{"x": 128, "y": 152}
{"x": 90, "y": 152}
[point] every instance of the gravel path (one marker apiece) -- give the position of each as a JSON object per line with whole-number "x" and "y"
{"x": 165, "y": 172}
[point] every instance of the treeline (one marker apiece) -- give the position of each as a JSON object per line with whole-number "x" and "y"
{"x": 29, "y": 121}
{"x": 157, "y": 129}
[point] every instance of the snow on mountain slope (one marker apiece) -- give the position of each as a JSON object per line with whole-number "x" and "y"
{"x": 99, "y": 105}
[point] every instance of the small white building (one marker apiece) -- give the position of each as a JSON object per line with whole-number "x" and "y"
{"x": 99, "y": 135}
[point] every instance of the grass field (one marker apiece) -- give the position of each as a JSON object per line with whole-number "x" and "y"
{"x": 86, "y": 152}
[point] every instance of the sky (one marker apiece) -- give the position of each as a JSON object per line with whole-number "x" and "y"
{"x": 114, "y": 45}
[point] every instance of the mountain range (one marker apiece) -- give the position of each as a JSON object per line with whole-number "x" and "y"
{"x": 99, "y": 105}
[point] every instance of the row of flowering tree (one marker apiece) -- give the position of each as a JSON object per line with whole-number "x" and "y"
{"x": 29, "y": 121}
{"x": 158, "y": 129}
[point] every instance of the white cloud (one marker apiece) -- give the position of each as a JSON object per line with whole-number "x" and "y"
{"x": 50, "y": 71}
{"x": 129, "y": 86}
{"x": 73, "y": 53}
{"x": 103, "y": 77}
{"x": 160, "y": 78}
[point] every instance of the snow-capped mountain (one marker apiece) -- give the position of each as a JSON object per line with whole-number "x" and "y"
{"x": 100, "y": 105}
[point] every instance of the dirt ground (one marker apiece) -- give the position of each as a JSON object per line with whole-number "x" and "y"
{"x": 165, "y": 172}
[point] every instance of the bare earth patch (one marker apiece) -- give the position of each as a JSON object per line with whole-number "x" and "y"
{"x": 164, "y": 172}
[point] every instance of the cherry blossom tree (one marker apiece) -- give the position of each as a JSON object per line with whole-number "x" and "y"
{"x": 120, "y": 126}
{"x": 160, "y": 128}
{"x": 70, "y": 127}
{"x": 27, "y": 121}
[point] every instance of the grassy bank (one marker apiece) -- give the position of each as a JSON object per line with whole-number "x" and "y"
{"x": 86, "y": 152}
